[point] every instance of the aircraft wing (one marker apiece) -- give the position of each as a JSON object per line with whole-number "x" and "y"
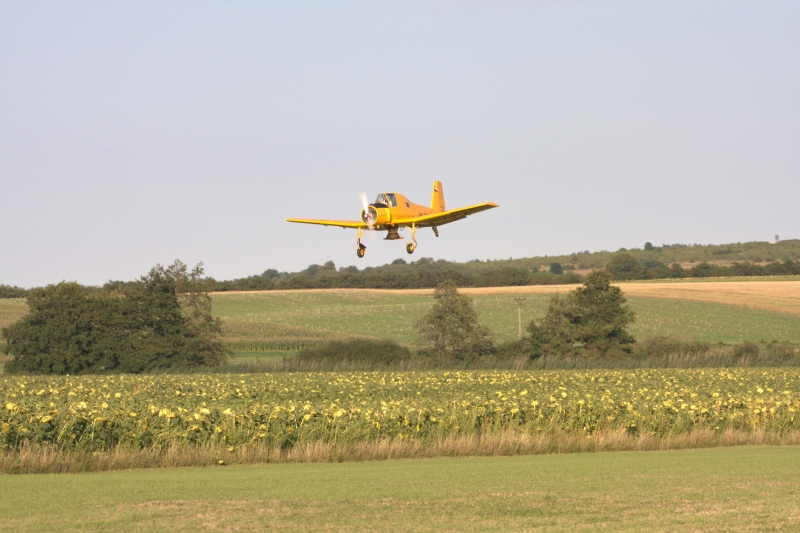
{"x": 339, "y": 223}
{"x": 445, "y": 217}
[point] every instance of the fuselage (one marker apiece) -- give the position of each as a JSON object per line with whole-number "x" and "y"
{"x": 390, "y": 207}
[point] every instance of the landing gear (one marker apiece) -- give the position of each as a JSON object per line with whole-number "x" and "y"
{"x": 361, "y": 250}
{"x": 410, "y": 247}
{"x": 435, "y": 230}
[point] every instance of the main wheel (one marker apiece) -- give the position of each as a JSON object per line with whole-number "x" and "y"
{"x": 410, "y": 247}
{"x": 360, "y": 252}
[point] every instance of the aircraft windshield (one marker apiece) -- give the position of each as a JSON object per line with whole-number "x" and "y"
{"x": 387, "y": 199}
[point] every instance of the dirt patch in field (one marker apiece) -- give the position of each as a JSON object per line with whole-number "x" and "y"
{"x": 781, "y": 296}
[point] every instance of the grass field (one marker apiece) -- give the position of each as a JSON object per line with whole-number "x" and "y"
{"x": 722, "y": 489}
{"x": 715, "y": 312}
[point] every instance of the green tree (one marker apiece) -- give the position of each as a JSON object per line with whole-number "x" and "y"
{"x": 451, "y": 327}
{"x": 65, "y": 331}
{"x": 556, "y": 268}
{"x": 163, "y": 320}
{"x": 203, "y": 345}
{"x": 648, "y": 246}
{"x": 589, "y": 320}
{"x": 624, "y": 266}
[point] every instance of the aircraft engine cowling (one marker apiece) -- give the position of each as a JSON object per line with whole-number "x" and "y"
{"x": 376, "y": 216}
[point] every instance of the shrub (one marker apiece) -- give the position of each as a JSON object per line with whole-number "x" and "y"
{"x": 379, "y": 352}
{"x": 665, "y": 345}
{"x": 555, "y": 268}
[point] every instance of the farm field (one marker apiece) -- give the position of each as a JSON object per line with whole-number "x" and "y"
{"x": 723, "y": 489}
{"x": 713, "y": 311}
{"x": 97, "y": 413}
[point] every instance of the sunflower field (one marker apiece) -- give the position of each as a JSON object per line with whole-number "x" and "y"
{"x": 99, "y": 412}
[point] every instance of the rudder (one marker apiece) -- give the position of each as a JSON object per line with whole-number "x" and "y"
{"x": 437, "y": 198}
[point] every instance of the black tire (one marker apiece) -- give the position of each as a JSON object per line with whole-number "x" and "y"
{"x": 410, "y": 248}
{"x": 360, "y": 252}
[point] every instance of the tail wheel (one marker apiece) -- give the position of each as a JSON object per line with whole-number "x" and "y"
{"x": 410, "y": 248}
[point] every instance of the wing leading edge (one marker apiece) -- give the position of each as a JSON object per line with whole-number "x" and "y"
{"x": 338, "y": 223}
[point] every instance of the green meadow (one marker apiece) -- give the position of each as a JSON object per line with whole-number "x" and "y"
{"x": 751, "y": 488}
{"x": 393, "y": 315}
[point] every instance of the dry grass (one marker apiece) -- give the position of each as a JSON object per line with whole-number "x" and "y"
{"x": 11, "y": 310}
{"x": 51, "y": 459}
{"x": 781, "y": 296}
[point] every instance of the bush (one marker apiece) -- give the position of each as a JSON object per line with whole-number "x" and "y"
{"x": 378, "y": 352}
{"x": 666, "y": 345}
{"x": 555, "y": 268}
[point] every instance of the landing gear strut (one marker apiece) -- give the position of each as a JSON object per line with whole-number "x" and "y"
{"x": 361, "y": 250}
{"x": 435, "y": 230}
{"x": 410, "y": 247}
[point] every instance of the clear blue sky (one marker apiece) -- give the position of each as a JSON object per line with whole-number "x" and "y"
{"x": 135, "y": 133}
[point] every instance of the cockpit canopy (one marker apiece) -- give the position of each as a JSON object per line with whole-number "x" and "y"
{"x": 386, "y": 198}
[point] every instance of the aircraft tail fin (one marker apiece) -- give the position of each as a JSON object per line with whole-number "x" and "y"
{"x": 437, "y": 199}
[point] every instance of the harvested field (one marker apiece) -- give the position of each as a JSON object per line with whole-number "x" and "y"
{"x": 781, "y": 296}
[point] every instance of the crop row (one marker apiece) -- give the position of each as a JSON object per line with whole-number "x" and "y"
{"x": 98, "y": 412}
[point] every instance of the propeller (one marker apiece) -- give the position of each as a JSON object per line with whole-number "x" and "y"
{"x": 369, "y": 219}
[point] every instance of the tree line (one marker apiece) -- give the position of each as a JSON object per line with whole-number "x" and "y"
{"x": 649, "y": 262}
{"x": 624, "y": 266}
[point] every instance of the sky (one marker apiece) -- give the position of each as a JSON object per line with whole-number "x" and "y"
{"x": 137, "y": 133}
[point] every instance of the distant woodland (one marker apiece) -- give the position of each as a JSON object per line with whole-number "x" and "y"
{"x": 649, "y": 262}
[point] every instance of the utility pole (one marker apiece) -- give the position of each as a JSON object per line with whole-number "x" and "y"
{"x": 519, "y": 308}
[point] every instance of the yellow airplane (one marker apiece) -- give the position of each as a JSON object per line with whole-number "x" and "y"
{"x": 393, "y": 212}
